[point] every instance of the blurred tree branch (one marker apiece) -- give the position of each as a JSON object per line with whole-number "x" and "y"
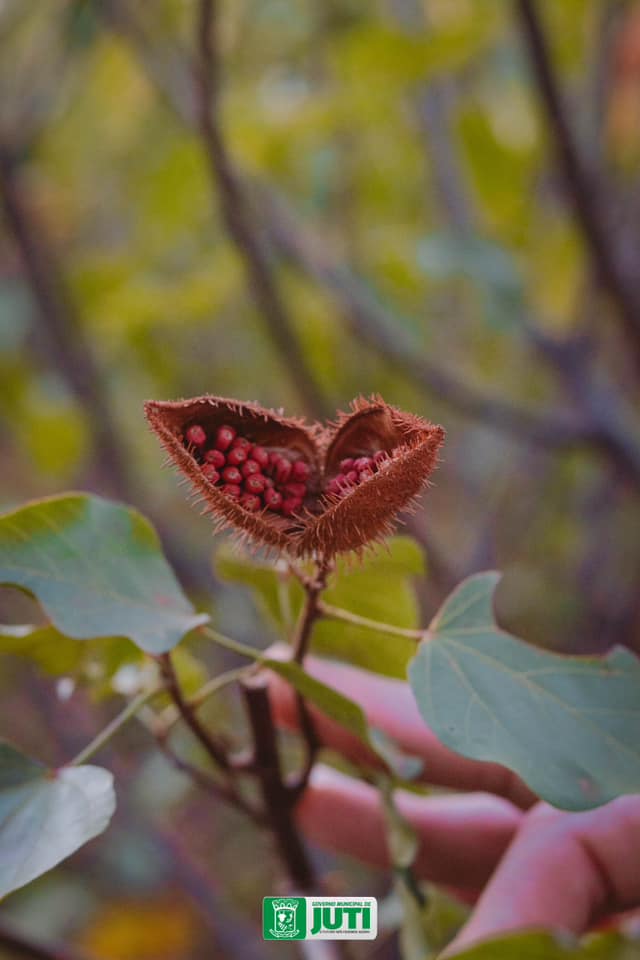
{"x": 238, "y": 218}
{"x": 65, "y": 346}
{"x": 592, "y": 204}
{"x": 369, "y": 320}
{"x": 375, "y": 324}
{"x": 61, "y": 332}
{"x": 278, "y": 797}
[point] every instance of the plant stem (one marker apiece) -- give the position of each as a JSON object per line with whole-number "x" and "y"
{"x": 213, "y": 748}
{"x": 222, "y": 791}
{"x": 20, "y": 945}
{"x": 237, "y": 215}
{"x": 207, "y": 690}
{"x": 276, "y": 794}
{"x": 337, "y": 613}
{"x": 310, "y": 613}
{"x": 584, "y": 187}
{"x": 311, "y": 610}
{"x": 236, "y": 646}
{"x": 114, "y": 726}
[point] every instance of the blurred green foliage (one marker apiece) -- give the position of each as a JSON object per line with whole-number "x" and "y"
{"x": 408, "y": 137}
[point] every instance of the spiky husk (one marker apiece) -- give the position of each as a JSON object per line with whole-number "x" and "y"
{"x": 367, "y": 513}
{"x": 170, "y": 421}
{"x": 331, "y": 524}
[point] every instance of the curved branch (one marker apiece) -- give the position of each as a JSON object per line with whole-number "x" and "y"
{"x": 237, "y": 215}
{"x": 583, "y": 187}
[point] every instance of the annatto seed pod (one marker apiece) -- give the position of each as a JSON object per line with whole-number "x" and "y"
{"x": 333, "y": 510}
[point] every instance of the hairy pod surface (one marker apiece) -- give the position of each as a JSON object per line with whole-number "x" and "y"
{"x": 297, "y": 488}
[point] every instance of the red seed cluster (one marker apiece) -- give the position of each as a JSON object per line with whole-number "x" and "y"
{"x": 258, "y": 478}
{"x": 354, "y": 471}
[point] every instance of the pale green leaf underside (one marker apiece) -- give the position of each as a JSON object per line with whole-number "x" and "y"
{"x": 569, "y": 726}
{"x": 98, "y": 570}
{"x": 46, "y": 815}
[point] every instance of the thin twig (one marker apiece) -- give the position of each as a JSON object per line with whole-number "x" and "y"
{"x": 61, "y": 331}
{"x": 215, "y": 750}
{"x": 337, "y": 613}
{"x": 171, "y": 715}
{"x": 278, "y": 798}
{"x": 22, "y": 945}
{"x": 314, "y": 587}
{"x": 114, "y": 726}
{"x": 583, "y": 186}
{"x": 220, "y": 790}
{"x": 65, "y": 346}
{"x": 374, "y": 324}
{"x": 370, "y": 320}
{"x": 237, "y": 215}
{"x": 450, "y": 186}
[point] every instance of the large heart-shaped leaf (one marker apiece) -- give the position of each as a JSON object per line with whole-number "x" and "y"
{"x": 569, "y": 726}
{"x": 46, "y": 815}
{"x": 98, "y": 570}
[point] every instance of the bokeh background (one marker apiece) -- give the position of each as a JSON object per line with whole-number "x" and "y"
{"x": 434, "y": 200}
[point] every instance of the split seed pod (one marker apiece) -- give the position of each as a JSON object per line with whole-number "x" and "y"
{"x": 331, "y": 511}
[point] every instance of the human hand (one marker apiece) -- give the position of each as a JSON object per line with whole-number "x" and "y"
{"x": 523, "y": 863}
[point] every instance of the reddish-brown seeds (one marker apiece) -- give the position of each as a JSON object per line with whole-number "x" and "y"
{"x": 283, "y": 470}
{"x": 255, "y": 483}
{"x": 251, "y": 502}
{"x": 196, "y": 435}
{"x": 231, "y": 475}
{"x": 225, "y": 437}
{"x": 236, "y": 456}
{"x": 291, "y": 505}
{"x": 210, "y": 472}
{"x": 261, "y": 457}
{"x": 272, "y": 498}
{"x": 300, "y": 471}
{"x": 242, "y": 443}
{"x": 296, "y": 490}
{"x": 250, "y": 467}
{"x": 215, "y": 457}
{"x": 372, "y": 462}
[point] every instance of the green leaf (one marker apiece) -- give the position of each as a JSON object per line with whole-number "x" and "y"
{"x": 275, "y": 590}
{"x": 380, "y": 588}
{"x": 402, "y": 838}
{"x": 46, "y": 815}
{"x": 544, "y": 946}
{"x": 345, "y": 712}
{"x": 98, "y": 570}
{"x": 569, "y": 726}
{"x": 44, "y": 645}
{"x": 57, "y": 655}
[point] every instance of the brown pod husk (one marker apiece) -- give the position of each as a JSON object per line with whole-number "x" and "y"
{"x": 367, "y": 512}
{"x": 171, "y": 419}
{"x": 329, "y": 523}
